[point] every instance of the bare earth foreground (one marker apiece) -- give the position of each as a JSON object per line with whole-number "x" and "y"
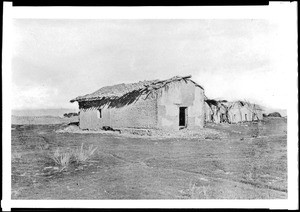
{"x": 242, "y": 161}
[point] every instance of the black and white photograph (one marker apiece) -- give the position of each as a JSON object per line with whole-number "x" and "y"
{"x": 152, "y": 108}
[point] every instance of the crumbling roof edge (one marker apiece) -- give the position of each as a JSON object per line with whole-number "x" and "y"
{"x": 154, "y": 84}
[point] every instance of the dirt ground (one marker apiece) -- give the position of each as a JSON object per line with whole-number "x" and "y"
{"x": 240, "y": 161}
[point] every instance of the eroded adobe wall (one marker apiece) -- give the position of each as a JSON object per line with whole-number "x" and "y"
{"x": 181, "y": 94}
{"x": 88, "y": 119}
{"x": 259, "y": 115}
{"x": 237, "y": 114}
{"x": 141, "y": 114}
{"x": 234, "y": 115}
{"x": 246, "y": 112}
{"x": 208, "y": 113}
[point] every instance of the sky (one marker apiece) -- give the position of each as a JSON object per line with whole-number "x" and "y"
{"x": 55, "y": 61}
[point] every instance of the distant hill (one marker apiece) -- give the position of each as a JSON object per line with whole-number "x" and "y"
{"x": 24, "y": 120}
{"x": 43, "y": 112}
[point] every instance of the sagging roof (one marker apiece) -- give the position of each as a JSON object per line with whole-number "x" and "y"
{"x": 215, "y": 102}
{"x": 142, "y": 87}
{"x": 244, "y": 104}
{"x": 230, "y": 105}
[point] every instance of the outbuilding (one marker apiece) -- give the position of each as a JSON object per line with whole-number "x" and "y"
{"x": 216, "y": 111}
{"x": 240, "y": 111}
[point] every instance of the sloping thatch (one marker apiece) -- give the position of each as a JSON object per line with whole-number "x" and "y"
{"x": 211, "y": 102}
{"x": 218, "y": 110}
{"x": 239, "y": 104}
{"x": 125, "y": 94}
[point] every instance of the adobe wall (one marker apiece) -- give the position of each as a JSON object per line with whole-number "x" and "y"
{"x": 234, "y": 115}
{"x": 259, "y": 114}
{"x": 238, "y": 114}
{"x": 208, "y": 112}
{"x": 181, "y": 94}
{"x": 141, "y": 114}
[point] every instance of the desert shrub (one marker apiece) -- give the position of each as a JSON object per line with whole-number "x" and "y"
{"x": 108, "y": 128}
{"x": 69, "y": 115}
{"x": 275, "y": 114}
{"x": 65, "y": 157}
{"x": 199, "y": 192}
{"x": 76, "y": 123}
{"x": 15, "y": 156}
{"x": 82, "y": 155}
{"x": 62, "y": 158}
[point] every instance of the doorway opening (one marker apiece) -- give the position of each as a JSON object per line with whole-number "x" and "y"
{"x": 182, "y": 116}
{"x": 99, "y": 113}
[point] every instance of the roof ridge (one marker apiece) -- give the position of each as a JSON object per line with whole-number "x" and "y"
{"x": 121, "y": 89}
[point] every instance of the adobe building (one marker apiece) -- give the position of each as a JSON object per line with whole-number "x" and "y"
{"x": 231, "y": 112}
{"x": 158, "y": 104}
{"x": 215, "y": 111}
{"x": 241, "y": 111}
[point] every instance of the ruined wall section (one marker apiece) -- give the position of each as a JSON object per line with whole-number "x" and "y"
{"x": 141, "y": 114}
{"x": 235, "y": 115}
{"x": 208, "y": 112}
{"x": 259, "y": 115}
{"x": 181, "y": 94}
{"x": 239, "y": 114}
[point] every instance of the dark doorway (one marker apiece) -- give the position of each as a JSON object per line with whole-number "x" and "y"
{"x": 182, "y": 116}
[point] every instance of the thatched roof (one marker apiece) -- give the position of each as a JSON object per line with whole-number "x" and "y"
{"x": 113, "y": 91}
{"x": 244, "y": 104}
{"x": 224, "y": 104}
{"x": 217, "y": 103}
{"x": 130, "y": 92}
{"x": 211, "y": 102}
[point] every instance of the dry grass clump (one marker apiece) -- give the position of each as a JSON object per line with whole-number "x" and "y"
{"x": 16, "y": 156}
{"x": 199, "y": 192}
{"x": 64, "y": 157}
{"x": 82, "y": 155}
